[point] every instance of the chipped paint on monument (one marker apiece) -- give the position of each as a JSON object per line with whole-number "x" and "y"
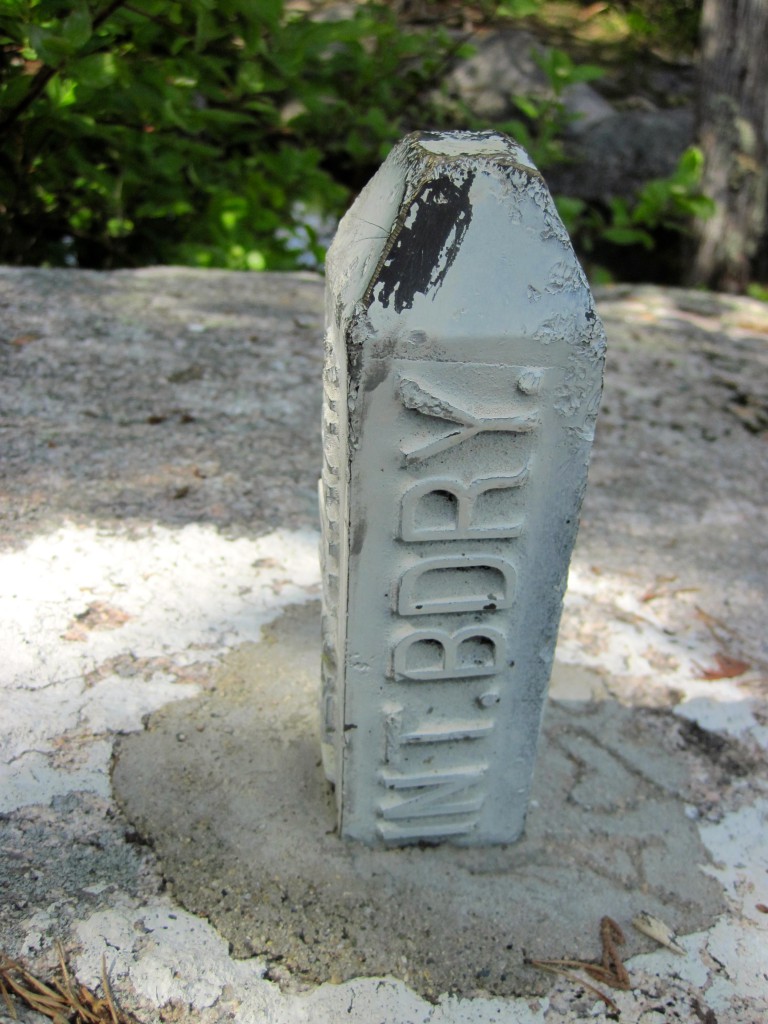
{"x": 425, "y": 251}
{"x": 471, "y": 362}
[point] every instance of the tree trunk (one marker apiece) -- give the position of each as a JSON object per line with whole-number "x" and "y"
{"x": 733, "y": 134}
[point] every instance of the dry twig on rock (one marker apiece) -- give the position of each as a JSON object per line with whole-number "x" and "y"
{"x": 611, "y": 971}
{"x": 62, "y": 1001}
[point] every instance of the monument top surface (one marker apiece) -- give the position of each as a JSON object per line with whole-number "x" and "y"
{"x": 475, "y": 144}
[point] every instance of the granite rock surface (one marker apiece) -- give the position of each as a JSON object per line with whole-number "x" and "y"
{"x": 159, "y": 579}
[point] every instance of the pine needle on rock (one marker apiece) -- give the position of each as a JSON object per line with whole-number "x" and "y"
{"x": 62, "y": 1001}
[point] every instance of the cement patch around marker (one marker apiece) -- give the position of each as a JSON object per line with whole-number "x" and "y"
{"x": 229, "y": 791}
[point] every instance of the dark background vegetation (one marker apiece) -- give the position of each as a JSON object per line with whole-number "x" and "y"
{"x": 232, "y": 133}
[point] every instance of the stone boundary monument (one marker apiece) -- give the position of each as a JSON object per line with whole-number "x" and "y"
{"x": 462, "y": 380}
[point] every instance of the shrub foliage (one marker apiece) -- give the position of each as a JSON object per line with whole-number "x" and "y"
{"x": 231, "y": 133}
{"x": 207, "y": 132}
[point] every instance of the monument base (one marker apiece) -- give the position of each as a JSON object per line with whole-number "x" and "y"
{"x": 243, "y": 824}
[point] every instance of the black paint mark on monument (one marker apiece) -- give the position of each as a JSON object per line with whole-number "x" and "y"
{"x": 431, "y": 230}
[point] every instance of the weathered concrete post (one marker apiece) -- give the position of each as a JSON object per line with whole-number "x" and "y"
{"x": 462, "y": 380}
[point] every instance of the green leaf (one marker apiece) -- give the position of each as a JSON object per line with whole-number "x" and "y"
{"x": 701, "y": 206}
{"x": 96, "y": 71}
{"x": 600, "y": 275}
{"x": 119, "y": 227}
{"x": 586, "y": 73}
{"x": 77, "y": 28}
{"x": 15, "y": 9}
{"x": 270, "y": 12}
{"x": 628, "y": 236}
{"x": 250, "y": 77}
{"x": 517, "y": 8}
{"x": 51, "y": 47}
{"x": 528, "y": 106}
{"x": 620, "y": 214}
{"x": 13, "y": 91}
{"x": 562, "y": 71}
{"x": 691, "y": 165}
{"x": 62, "y": 91}
{"x": 206, "y": 29}
{"x": 570, "y": 211}
{"x": 214, "y": 116}
{"x": 255, "y": 260}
